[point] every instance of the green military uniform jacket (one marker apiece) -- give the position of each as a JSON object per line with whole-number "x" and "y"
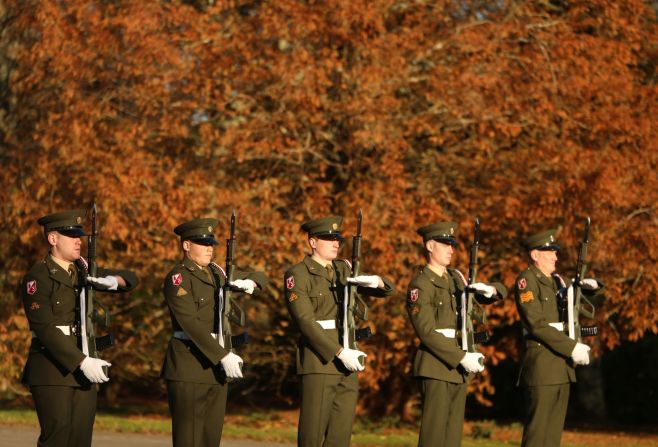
{"x": 547, "y": 359}
{"x": 50, "y": 299}
{"x": 433, "y": 303}
{"x": 311, "y": 297}
{"x": 192, "y": 296}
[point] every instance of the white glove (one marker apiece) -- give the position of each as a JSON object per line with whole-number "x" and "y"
{"x": 232, "y": 364}
{"x": 92, "y": 368}
{"x": 350, "y": 358}
{"x": 580, "y": 354}
{"x": 246, "y": 285}
{"x": 590, "y": 283}
{"x": 108, "y": 282}
{"x": 484, "y": 289}
{"x": 371, "y": 281}
{"x": 473, "y": 362}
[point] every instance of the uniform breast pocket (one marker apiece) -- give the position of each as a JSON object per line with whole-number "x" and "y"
{"x": 439, "y": 306}
{"x": 316, "y": 301}
{"x": 205, "y": 307}
{"x": 62, "y": 304}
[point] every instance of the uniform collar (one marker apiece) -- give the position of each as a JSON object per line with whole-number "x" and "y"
{"x": 541, "y": 277}
{"x": 58, "y": 272}
{"x": 197, "y": 271}
{"x": 62, "y": 263}
{"x": 438, "y": 281}
{"x": 315, "y": 268}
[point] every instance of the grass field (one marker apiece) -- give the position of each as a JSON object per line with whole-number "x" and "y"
{"x": 280, "y": 426}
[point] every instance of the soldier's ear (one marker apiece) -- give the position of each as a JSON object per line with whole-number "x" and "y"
{"x": 51, "y": 237}
{"x": 312, "y": 242}
{"x": 186, "y": 245}
{"x": 534, "y": 255}
{"x": 428, "y": 246}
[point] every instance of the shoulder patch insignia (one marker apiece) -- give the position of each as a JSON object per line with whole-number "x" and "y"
{"x": 413, "y": 295}
{"x": 293, "y": 297}
{"x": 181, "y": 292}
{"x": 290, "y": 282}
{"x": 521, "y": 284}
{"x": 32, "y": 287}
{"x": 176, "y": 279}
{"x": 527, "y": 296}
{"x": 34, "y": 305}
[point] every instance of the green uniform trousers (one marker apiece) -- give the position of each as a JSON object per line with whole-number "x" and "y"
{"x": 66, "y": 414}
{"x": 546, "y": 409}
{"x": 327, "y": 410}
{"x": 442, "y": 421}
{"x": 197, "y": 413}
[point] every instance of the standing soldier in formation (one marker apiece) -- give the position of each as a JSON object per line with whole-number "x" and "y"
{"x": 199, "y": 360}
{"x": 314, "y": 291}
{"x": 441, "y": 365}
{"x": 547, "y": 368}
{"x": 62, "y": 368}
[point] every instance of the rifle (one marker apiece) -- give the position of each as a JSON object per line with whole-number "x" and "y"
{"x": 576, "y": 303}
{"x": 350, "y": 333}
{"x": 470, "y": 309}
{"x": 103, "y": 320}
{"x": 232, "y": 310}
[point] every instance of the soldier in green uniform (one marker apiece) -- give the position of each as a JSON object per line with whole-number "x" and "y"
{"x": 314, "y": 291}
{"x": 200, "y": 360}
{"x": 63, "y": 367}
{"x": 547, "y": 367}
{"x": 442, "y": 367}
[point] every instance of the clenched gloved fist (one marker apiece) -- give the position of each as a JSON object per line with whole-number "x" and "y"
{"x": 108, "y": 282}
{"x": 580, "y": 354}
{"x": 473, "y": 362}
{"x": 350, "y": 358}
{"x": 590, "y": 283}
{"x": 232, "y": 364}
{"x": 372, "y": 281}
{"x": 92, "y": 368}
{"x": 484, "y": 289}
{"x": 246, "y": 285}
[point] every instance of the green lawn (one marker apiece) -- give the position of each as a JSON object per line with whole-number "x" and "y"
{"x": 275, "y": 427}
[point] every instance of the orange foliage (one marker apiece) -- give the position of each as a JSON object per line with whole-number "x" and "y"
{"x": 526, "y": 114}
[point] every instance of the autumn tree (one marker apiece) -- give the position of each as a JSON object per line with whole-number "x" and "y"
{"x": 527, "y": 114}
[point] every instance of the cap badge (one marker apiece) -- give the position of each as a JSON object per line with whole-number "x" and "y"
{"x": 334, "y": 226}
{"x": 452, "y": 230}
{"x": 209, "y": 229}
{"x": 78, "y": 219}
{"x": 31, "y": 287}
{"x": 551, "y": 237}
